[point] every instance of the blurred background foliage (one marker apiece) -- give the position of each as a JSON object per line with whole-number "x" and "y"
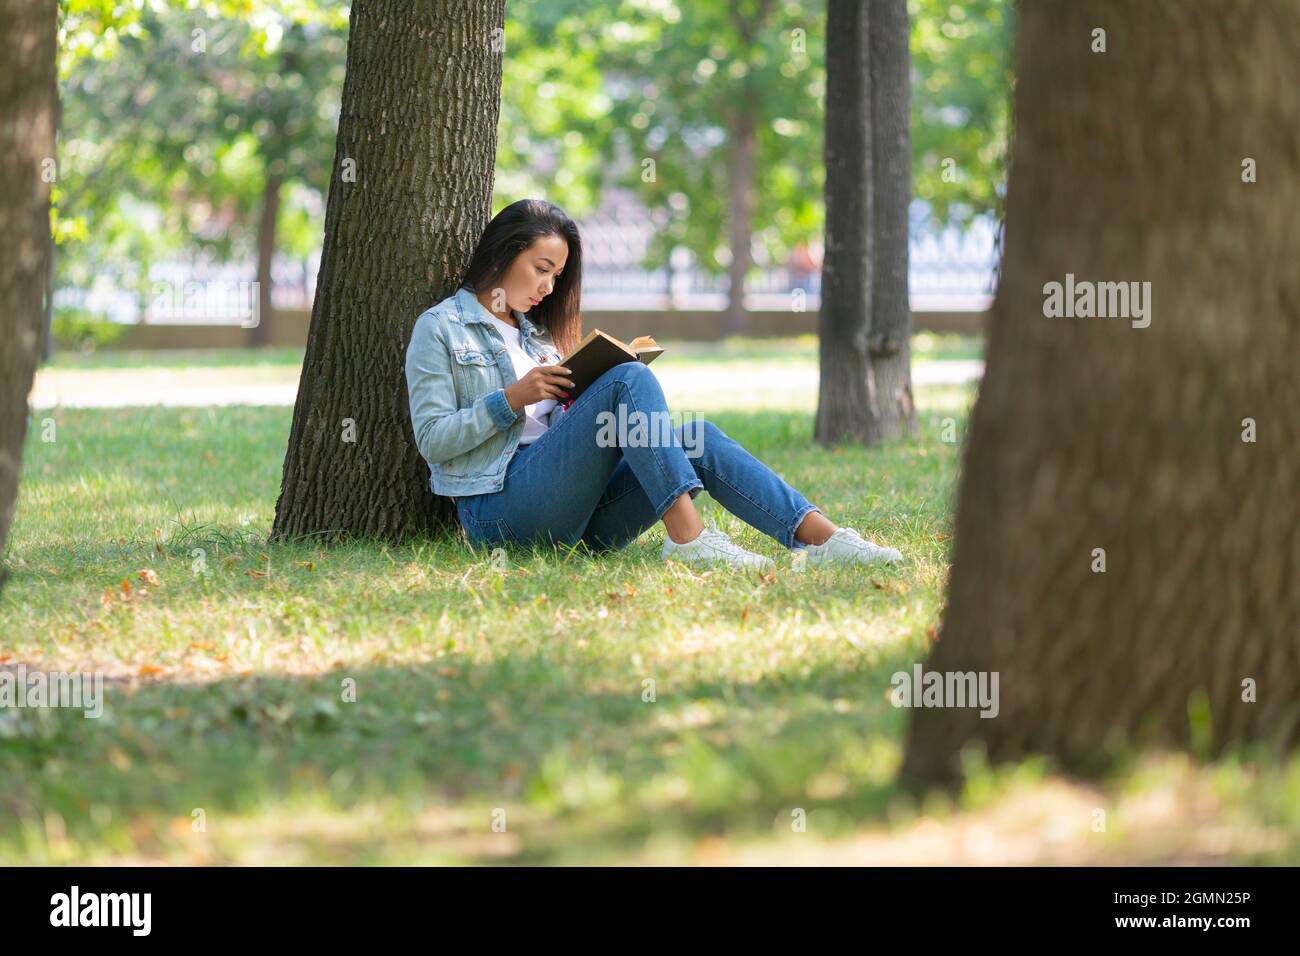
{"x": 179, "y": 117}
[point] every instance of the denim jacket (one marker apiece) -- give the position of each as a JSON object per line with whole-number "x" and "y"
{"x": 457, "y": 371}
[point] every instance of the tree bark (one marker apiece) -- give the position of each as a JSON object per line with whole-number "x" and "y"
{"x": 260, "y": 334}
{"x": 742, "y": 158}
{"x": 890, "y": 341}
{"x": 419, "y": 120}
{"x": 1094, "y": 433}
{"x": 28, "y": 119}
{"x": 844, "y": 397}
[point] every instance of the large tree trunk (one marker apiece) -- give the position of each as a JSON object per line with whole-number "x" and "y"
{"x": 889, "y": 343}
{"x": 843, "y": 404}
{"x": 418, "y": 125}
{"x": 742, "y": 157}
{"x": 28, "y": 107}
{"x": 1095, "y": 434}
{"x": 260, "y": 334}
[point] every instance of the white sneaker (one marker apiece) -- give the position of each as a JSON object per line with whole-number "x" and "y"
{"x": 712, "y": 546}
{"x": 846, "y": 546}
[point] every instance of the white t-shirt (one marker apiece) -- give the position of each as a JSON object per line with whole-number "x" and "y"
{"x": 535, "y": 420}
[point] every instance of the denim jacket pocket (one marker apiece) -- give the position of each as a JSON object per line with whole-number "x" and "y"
{"x": 476, "y": 373}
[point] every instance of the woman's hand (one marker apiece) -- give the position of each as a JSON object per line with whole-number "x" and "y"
{"x": 541, "y": 383}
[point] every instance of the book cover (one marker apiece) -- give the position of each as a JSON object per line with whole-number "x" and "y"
{"x": 598, "y": 352}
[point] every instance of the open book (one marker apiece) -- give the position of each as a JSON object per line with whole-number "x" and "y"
{"x": 598, "y": 352}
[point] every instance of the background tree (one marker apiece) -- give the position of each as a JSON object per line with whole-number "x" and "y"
{"x": 190, "y": 136}
{"x": 410, "y": 195}
{"x": 960, "y": 106}
{"x": 865, "y": 388}
{"x": 843, "y": 397}
{"x": 281, "y": 102}
{"x": 28, "y": 120}
{"x": 554, "y": 135}
{"x": 725, "y": 99}
{"x": 1128, "y": 526}
{"x": 889, "y": 342}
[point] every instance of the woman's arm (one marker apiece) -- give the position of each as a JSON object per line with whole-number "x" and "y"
{"x": 441, "y": 430}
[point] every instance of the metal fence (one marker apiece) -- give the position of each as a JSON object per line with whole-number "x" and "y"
{"x": 949, "y": 270}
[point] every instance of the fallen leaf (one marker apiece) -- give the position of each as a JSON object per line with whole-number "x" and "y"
{"x": 125, "y": 587}
{"x": 149, "y": 670}
{"x": 149, "y": 576}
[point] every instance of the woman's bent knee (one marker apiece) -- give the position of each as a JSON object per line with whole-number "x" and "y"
{"x": 696, "y": 434}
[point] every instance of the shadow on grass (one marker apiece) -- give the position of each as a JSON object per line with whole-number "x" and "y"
{"x": 581, "y": 773}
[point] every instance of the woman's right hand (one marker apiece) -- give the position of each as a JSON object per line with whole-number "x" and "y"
{"x": 541, "y": 383}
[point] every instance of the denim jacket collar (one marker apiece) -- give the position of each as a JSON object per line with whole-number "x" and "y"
{"x": 471, "y": 310}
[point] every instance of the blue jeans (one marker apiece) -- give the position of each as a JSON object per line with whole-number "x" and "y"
{"x": 574, "y": 484}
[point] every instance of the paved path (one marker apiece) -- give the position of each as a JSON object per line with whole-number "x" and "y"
{"x": 123, "y": 388}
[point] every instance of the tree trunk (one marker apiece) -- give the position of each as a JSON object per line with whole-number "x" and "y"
{"x": 28, "y": 105}
{"x": 260, "y": 334}
{"x": 47, "y": 334}
{"x": 1098, "y": 434}
{"x": 844, "y": 399}
{"x": 890, "y": 341}
{"x": 410, "y": 196}
{"x": 741, "y": 159}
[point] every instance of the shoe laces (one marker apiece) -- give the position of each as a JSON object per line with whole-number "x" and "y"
{"x": 717, "y": 540}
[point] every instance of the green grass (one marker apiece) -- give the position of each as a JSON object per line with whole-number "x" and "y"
{"x": 519, "y": 690}
{"x": 175, "y": 358}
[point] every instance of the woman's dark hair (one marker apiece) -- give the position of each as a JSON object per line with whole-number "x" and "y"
{"x": 510, "y": 232}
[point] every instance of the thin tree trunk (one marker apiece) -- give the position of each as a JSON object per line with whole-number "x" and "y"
{"x": 890, "y": 341}
{"x": 1097, "y": 435}
{"x": 844, "y": 399}
{"x": 28, "y": 107}
{"x": 741, "y": 160}
{"x": 260, "y": 334}
{"x": 418, "y": 128}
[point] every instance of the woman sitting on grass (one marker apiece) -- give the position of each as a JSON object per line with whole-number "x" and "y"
{"x": 489, "y": 414}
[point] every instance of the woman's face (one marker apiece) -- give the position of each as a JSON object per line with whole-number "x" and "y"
{"x": 532, "y": 275}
